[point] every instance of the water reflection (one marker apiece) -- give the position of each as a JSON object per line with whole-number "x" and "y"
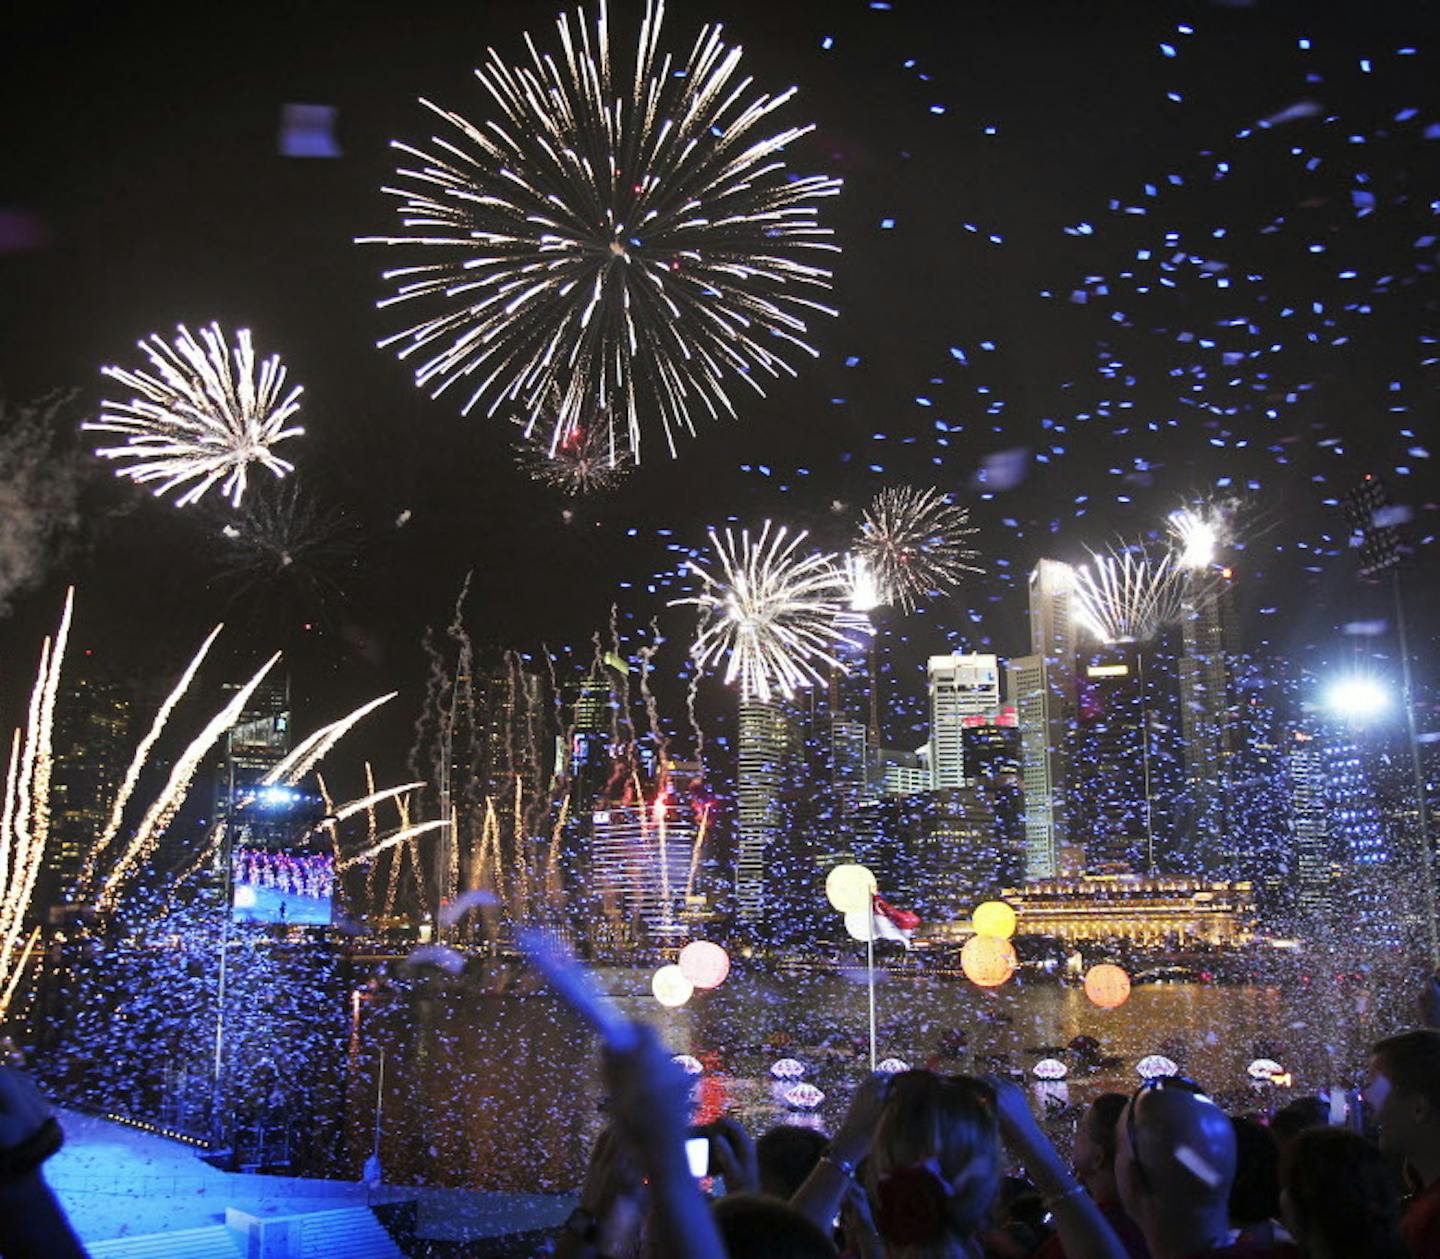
{"x": 503, "y": 1093}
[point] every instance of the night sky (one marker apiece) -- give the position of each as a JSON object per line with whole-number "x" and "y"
{"x": 1099, "y": 259}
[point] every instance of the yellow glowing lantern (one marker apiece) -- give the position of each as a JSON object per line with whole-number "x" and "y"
{"x": 849, "y": 888}
{"x": 1107, "y": 985}
{"x": 994, "y": 918}
{"x": 987, "y": 961}
{"x": 670, "y": 986}
{"x": 704, "y": 964}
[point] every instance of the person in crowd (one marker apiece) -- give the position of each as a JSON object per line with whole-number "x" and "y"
{"x": 1295, "y": 1117}
{"x": 1403, "y": 1090}
{"x": 32, "y": 1222}
{"x": 1094, "y": 1162}
{"x": 934, "y": 1169}
{"x": 757, "y": 1226}
{"x": 650, "y": 1110}
{"x": 787, "y": 1153}
{"x": 1174, "y": 1167}
{"x": 1255, "y": 1194}
{"x": 1339, "y": 1199}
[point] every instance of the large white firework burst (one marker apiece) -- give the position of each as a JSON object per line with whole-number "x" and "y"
{"x": 913, "y": 545}
{"x": 204, "y": 415}
{"x": 637, "y": 246}
{"x": 1127, "y": 596}
{"x": 773, "y": 613}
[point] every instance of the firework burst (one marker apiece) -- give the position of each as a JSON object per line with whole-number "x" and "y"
{"x": 774, "y": 614}
{"x": 203, "y": 416}
{"x": 912, "y": 545}
{"x": 1125, "y": 596}
{"x": 641, "y": 245}
{"x": 582, "y": 461}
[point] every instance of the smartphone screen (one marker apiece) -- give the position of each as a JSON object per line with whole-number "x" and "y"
{"x": 697, "y": 1154}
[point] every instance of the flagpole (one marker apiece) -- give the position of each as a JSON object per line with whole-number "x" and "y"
{"x": 870, "y": 966}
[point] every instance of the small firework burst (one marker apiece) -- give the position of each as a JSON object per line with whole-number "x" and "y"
{"x": 1126, "y": 596}
{"x": 204, "y": 416}
{"x": 774, "y": 614}
{"x": 582, "y": 461}
{"x": 913, "y": 545}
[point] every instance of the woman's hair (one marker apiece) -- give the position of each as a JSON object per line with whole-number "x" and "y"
{"x": 934, "y": 1169}
{"x": 1343, "y": 1196}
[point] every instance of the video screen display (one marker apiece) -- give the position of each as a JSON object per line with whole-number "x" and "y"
{"x": 294, "y": 888}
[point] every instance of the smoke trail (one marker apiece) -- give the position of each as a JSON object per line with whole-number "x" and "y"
{"x": 39, "y": 492}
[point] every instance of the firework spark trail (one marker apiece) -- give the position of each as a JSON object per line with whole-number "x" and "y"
{"x": 368, "y": 802}
{"x": 913, "y": 545}
{"x": 204, "y": 417}
{"x": 1197, "y": 535}
{"x": 372, "y": 833}
{"x": 164, "y": 807}
{"x": 700, "y": 833}
{"x": 1123, "y": 597}
{"x": 317, "y": 746}
{"x": 638, "y": 249}
{"x": 137, "y": 763}
{"x": 8, "y": 995}
{"x": 774, "y": 615}
{"x": 402, "y": 807}
{"x": 390, "y": 841}
{"x": 44, "y": 763}
{"x": 7, "y": 821}
{"x": 22, "y": 849}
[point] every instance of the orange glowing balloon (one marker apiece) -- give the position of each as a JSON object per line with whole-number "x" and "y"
{"x": 987, "y": 961}
{"x": 1107, "y": 985}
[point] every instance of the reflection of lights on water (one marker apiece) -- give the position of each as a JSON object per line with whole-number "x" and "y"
{"x": 804, "y": 1096}
{"x": 1153, "y": 1066}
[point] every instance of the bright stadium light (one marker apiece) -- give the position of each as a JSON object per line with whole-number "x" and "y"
{"x": 1357, "y": 697}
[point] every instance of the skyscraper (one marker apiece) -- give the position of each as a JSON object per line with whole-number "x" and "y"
{"x": 961, "y": 685}
{"x": 767, "y": 745}
{"x": 92, "y": 726}
{"x": 1042, "y": 689}
{"x": 1205, "y": 672}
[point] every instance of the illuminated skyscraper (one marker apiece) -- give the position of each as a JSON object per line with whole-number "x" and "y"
{"x": 640, "y": 858}
{"x": 92, "y": 750}
{"x": 1316, "y": 870}
{"x": 1042, "y": 689}
{"x": 961, "y": 686}
{"x": 768, "y": 743}
{"x": 1205, "y": 671}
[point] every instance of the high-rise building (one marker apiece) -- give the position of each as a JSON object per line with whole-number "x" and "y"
{"x": 640, "y": 862}
{"x": 92, "y": 751}
{"x": 1041, "y": 687}
{"x": 961, "y": 685}
{"x": 903, "y": 773}
{"x": 1205, "y": 672}
{"x": 991, "y": 746}
{"x": 768, "y": 742}
{"x": 1316, "y": 870}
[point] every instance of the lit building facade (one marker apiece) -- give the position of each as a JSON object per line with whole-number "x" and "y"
{"x": 1149, "y": 912}
{"x": 92, "y": 752}
{"x": 768, "y": 744}
{"x": 1209, "y": 644}
{"x": 961, "y": 685}
{"x": 641, "y": 857}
